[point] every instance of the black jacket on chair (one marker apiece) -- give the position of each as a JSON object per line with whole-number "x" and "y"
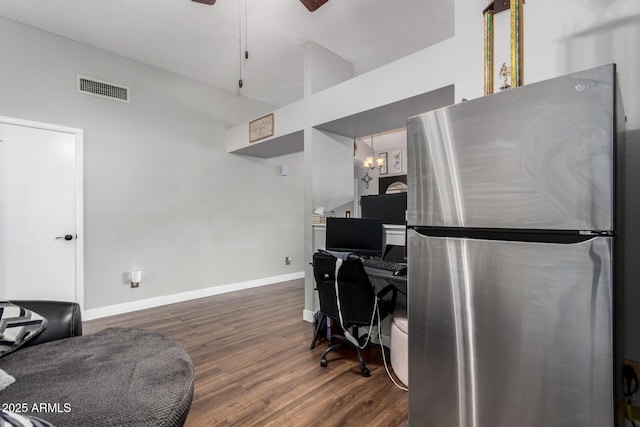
{"x": 356, "y": 294}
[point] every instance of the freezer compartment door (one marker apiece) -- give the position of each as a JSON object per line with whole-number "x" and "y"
{"x": 536, "y": 157}
{"x": 505, "y": 334}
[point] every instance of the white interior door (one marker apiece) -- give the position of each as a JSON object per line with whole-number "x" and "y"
{"x": 40, "y": 184}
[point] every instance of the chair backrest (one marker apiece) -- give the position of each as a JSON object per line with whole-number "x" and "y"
{"x": 355, "y": 290}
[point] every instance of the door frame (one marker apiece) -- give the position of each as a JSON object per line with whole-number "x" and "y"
{"x": 79, "y": 208}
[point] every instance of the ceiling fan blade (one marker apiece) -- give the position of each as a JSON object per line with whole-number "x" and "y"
{"x": 312, "y": 5}
{"x": 209, "y": 2}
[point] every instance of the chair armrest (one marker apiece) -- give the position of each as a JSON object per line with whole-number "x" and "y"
{"x": 384, "y": 291}
{"x": 64, "y": 320}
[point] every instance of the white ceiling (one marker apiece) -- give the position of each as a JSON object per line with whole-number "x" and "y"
{"x": 387, "y": 140}
{"x": 202, "y": 42}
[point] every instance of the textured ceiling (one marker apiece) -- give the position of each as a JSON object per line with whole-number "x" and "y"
{"x": 202, "y": 42}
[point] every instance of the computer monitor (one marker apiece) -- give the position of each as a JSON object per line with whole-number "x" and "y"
{"x": 361, "y": 236}
{"x": 391, "y": 208}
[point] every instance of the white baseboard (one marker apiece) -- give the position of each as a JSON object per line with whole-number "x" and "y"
{"x": 127, "y": 307}
{"x": 307, "y": 315}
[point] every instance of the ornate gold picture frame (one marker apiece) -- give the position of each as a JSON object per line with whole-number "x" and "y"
{"x": 515, "y": 69}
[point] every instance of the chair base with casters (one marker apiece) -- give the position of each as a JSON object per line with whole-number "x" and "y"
{"x": 321, "y": 320}
{"x": 345, "y": 344}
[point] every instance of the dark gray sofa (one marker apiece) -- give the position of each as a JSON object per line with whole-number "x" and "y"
{"x": 116, "y": 377}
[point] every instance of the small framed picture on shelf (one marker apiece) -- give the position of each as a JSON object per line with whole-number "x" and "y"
{"x": 384, "y": 169}
{"x": 261, "y": 128}
{"x": 396, "y": 161}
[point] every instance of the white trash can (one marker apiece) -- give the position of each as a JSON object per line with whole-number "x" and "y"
{"x": 400, "y": 345}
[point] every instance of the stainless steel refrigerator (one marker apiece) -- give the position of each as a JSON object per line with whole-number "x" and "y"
{"x": 512, "y": 279}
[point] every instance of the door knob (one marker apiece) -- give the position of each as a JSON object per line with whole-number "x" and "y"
{"x": 66, "y": 237}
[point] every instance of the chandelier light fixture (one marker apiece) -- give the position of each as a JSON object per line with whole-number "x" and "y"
{"x": 370, "y": 164}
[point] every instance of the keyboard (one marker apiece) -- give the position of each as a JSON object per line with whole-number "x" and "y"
{"x": 383, "y": 264}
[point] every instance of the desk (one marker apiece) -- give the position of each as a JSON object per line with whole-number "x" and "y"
{"x": 380, "y": 278}
{"x": 378, "y": 273}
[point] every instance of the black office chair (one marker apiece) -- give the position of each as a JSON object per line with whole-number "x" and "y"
{"x": 357, "y": 301}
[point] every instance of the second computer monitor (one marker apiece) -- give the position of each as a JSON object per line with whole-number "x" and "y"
{"x": 361, "y": 236}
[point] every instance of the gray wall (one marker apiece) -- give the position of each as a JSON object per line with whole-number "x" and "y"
{"x": 332, "y": 169}
{"x": 161, "y": 192}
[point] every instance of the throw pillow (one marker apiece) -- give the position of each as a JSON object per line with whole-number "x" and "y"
{"x": 5, "y": 380}
{"x": 17, "y": 326}
{"x": 11, "y": 419}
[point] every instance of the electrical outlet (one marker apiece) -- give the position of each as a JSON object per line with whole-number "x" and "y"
{"x": 136, "y": 277}
{"x": 287, "y": 260}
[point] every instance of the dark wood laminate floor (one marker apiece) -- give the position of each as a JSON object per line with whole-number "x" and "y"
{"x": 253, "y": 366}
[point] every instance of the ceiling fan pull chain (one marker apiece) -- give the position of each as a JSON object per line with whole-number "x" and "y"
{"x": 240, "y": 83}
{"x": 246, "y": 31}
